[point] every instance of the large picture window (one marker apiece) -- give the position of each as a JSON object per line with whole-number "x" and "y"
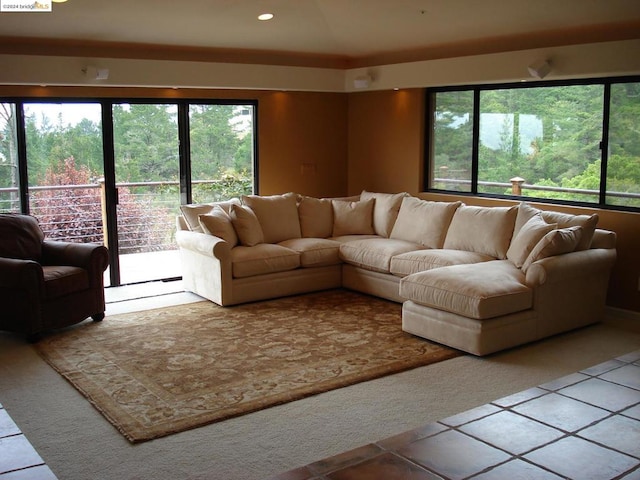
{"x": 570, "y": 142}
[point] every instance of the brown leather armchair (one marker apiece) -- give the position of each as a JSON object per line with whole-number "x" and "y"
{"x": 44, "y": 284}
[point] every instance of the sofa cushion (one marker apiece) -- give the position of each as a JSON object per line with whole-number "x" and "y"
{"x": 566, "y": 220}
{"x": 63, "y": 280}
{"x": 315, "y": 252}
{"x": 192, "y": 211}
{"x": 486, "y": 230}
{"x": 316, "y": 217}
{"x": 20, "y": 237}
{"x": 385, "y": 210}
{"x": 218, "y": 223}
{"x": 563, "y": 220}
{"x": 527, "y": 238}
{"x": 352, "y": 218}
{"x": 375, "y": 253}
{"x": 246, "y": 225}
{"x": 482, "y": 290}
{"x": 277, "y": 214}
{"x": 424, "y": 222}
{"x": 556, "y": 242}
{"x": 421, "y": 260}
{"x": 262, "y": 259}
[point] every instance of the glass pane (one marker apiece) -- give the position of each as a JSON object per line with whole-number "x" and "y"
{"x": 452, "y": 141}
{"x": 9, "y": 192}
{"x": 623, "y": 168}
{"x": 222, "y": 155}
{"x": 147, "y": 177}
{"x": 64, "y": 162}
{"x": 541, "y": 142}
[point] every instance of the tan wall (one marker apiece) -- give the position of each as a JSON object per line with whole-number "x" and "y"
{"x": 302, "y": 135}
{"x": 385, "y": 154}
{"x": 385, "y": 141}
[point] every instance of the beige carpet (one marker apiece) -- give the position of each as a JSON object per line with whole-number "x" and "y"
{"x": 163, "y": 371}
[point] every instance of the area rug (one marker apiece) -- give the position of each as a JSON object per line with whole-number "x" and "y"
{"x": 163, "y": 371}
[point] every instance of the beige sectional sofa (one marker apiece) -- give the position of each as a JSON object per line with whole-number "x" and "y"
{"x": 480, "y": 279}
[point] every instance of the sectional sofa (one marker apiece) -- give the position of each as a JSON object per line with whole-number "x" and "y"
{"x": 479, "y": 279}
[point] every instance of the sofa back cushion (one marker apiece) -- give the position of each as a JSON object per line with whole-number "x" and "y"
{"x": 246, "y": 225}
{"x": 352, "y": 218}
{"x": 316, "y": 217}
{"x": 424, "y": 222}
{"x": 385, "y": 210}
{"x": 218, "y": 223}
{"x": 277, "y": 214}
{"x": 486, "y": 230}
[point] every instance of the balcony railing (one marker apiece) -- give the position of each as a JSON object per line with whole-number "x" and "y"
{"x": 146, "y": 211}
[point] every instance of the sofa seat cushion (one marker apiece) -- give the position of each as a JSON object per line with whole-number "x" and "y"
{"x": 315, "y": 252}
{"x": 62, "y": 280}
{"x": 480, "y": 291}
{"x": 422, "y": 260}
{"x": 375, "y": 253}
{"x": 262, "y": 258}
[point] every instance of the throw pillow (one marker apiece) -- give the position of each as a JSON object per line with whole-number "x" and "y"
{"x": 277, "y": 214}
{"x": 246, "y": 225}
{"x": 316, "y": 217}
{"x": 486, "y": 230}
{"x": 385, "y": 210}
{"x": 527, "y": 238}
{"x": 353, "y": 218}
{"x": 424, "y": 222}
{"x": 556, "y": 242}
{"x": 525, "y": 212}
{"x": 218, "y": 223}
{"x": 565, "y": 220}
{"x": 192, "y": 211}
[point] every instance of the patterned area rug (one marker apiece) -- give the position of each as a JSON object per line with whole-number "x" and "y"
{"x": 163, "y": 371}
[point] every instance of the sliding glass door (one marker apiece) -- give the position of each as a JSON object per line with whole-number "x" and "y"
{"x": 116, "y": 172}
{"x": 147, "y": 171}
{"x": 65, "y": 169}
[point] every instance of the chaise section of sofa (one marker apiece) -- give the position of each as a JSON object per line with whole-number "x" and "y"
{"x": 480, "y": 279}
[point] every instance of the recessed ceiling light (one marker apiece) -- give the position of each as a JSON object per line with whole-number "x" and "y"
{"x": 58, "y": 1}
{"x": 265, "y": 16}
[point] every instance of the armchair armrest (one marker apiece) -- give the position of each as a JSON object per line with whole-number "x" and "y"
{"x": 574, "y": 265}
{"x": 17, "y": 273}
{"x": 90, "y": 256}
{"x": 204, "y": 244}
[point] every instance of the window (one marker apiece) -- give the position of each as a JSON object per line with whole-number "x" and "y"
{"x": 116, "y": 171}
{"x": 573, "y": 143}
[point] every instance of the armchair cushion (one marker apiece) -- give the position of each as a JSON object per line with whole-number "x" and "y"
{"x": 20, "y": 237}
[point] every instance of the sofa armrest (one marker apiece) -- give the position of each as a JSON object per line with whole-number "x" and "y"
{"x": 204, "y": 244}
{"x": 17, "y": 273}
{"x": 569, "y": 266}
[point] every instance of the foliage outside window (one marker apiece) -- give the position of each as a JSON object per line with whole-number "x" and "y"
{"x": 544, "y": 141}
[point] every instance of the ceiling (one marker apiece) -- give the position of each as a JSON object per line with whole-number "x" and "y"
{"x": 355, "y": 32}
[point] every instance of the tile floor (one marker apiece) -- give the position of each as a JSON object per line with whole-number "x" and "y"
{"x": 583, "y": 426}
{"x": 18, "y": 459}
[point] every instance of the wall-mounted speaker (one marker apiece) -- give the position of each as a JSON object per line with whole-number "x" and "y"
{"x": 362, "y": 81}
{"x": 540, "y": 69}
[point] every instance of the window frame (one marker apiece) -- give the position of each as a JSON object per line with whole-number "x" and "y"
{"x": 429, "y": 146}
